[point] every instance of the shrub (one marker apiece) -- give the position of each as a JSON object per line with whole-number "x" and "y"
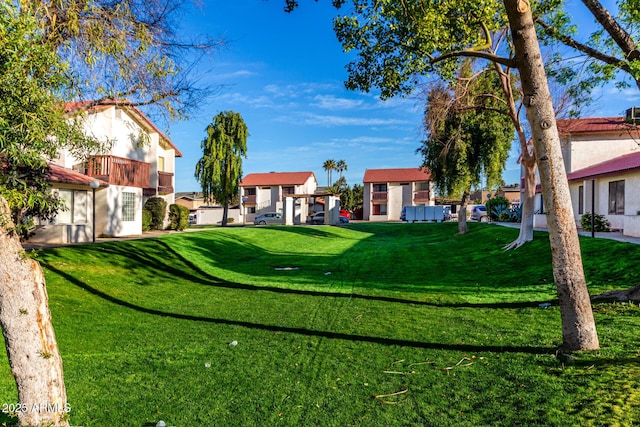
{"x": 146, "y": 220}
{"x": 600, "y": 223}
{"x": 496, "y": 206}
{"x": 158, "y": 208}
{"x": 230, "y": 220}
{"x": 178, "y": 217}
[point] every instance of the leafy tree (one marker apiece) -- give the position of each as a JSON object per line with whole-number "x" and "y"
{"x": 128, "y": 49}
{"x": 329, "y": 166}
{"x": 352, "y": 198}
{"x": 32, "y": 128}
{"x": 467, "y": 136}
{"x": 51, "y": 52}
{"x": 220, "y": 168}
{"x": 397, "y": 42}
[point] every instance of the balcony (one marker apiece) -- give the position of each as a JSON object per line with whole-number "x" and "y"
{"x": 379, "y": 197}
{"x": 421, "y": 196}
{"x": 165, "y": 182}
{"x": 251, "y": 199}
{"x": 119, "y": 171}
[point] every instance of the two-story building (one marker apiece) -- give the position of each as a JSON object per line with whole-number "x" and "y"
{"x": 266, "y": 192}
{"x": 602, "y": 161}
{"x": 387, "y": 191}
{"x": 139, "y": 163}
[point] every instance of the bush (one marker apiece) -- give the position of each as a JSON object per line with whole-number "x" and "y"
{"x": 600, "y": 223}
{"x": 146, "y": 220}
{"x": 157, "y": 206}
{"x": 178, "y": 217}
{"x": 496, "y": 206}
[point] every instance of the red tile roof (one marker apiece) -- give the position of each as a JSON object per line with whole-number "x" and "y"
{"x": 68, "y": 176}
{"x": 97, "y": 106}
{"x": 617, "y": 166}
{"x": 396, "y": 175}
{"x": 595, "y": 125}
{"x": 276, "y": 178}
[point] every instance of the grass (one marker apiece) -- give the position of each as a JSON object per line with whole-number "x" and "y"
{"x": 364, "y": 325}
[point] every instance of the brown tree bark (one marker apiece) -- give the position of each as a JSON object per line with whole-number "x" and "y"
{"x": 28, "y": 333}
{"x": 578, "y": 325}
{"x": 462, "y": 215}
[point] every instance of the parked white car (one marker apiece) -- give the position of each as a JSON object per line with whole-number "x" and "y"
{"x": 268, "y": 218}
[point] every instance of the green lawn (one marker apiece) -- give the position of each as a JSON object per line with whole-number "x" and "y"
{"x": 364, "y": 325}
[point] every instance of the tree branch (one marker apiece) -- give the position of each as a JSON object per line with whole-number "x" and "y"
{"x": 587, "y": 50}
{"x": 617, "y": 33}
{"x": 507, "y": 62}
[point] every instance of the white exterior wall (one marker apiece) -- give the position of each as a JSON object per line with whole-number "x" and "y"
{"x": 395, "y": 200}
{"x": 581, "y": 151}
{"x": 109, "y": 212}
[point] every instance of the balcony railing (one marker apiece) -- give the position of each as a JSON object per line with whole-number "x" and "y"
{"x": 119, "y": 171}
{"x": 379, "y": 196}
{"x": 165, "y": 182}
{"x": 421, "y": 196}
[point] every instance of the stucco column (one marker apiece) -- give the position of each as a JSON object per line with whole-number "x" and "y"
{"x": 288, "y": 210}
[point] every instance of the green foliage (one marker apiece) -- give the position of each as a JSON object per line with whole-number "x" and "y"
{"x": 497, "y": 205}
{"x": 600, "y": 222}
{"x": 468, "y": 137}
{"x": 219, "y": 170}
{"x": 470, "y": 345}
{"x": 352, "y": 198}
{"x": 157, "y": 206}
{"x": 32, "y": 123}
{"x": 147, "y": 218}
{"x": 178, "y": 217}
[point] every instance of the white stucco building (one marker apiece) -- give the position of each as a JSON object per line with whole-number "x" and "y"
{"x": 602, "y": 161}
{"x": 387, "y": 191}
{"x": 140, "y": 163}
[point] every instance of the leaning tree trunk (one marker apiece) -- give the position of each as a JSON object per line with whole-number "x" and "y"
{"x": 527, "y": 195}
{"x": 578, "y": 325}
{"x": 28, "y": 334}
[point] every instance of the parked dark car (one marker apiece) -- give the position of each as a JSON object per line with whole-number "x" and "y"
{"x": 318, "y": 218}
{"x": 479, "y": 213}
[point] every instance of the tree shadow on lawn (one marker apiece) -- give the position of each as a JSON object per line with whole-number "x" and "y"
{"x": 303, "y": 331}
{"x": 159, "y": 260}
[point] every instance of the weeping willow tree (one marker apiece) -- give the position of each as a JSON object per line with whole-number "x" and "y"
{"x": 220, "y": 169}
{"x": 468, "y": 137}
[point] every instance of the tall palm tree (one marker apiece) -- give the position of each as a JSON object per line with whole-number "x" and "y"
{"x": 341, "y": 166}
{"x": 329, "y": 166}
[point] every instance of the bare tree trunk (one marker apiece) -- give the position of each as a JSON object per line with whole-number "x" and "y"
{"x": 578, "y": 325}
{"x": 28, "y": 333}
{"x": 462, "y": 215}
{"x": 527, "y": 160}
{"x": 527, "y": 196}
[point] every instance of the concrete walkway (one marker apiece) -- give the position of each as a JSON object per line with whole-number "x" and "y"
{"x": 613, "y": 235}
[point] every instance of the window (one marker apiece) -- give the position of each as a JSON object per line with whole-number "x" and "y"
{"x": 251, "y": 210}
{"x": 616, "y": 197}
{"x": 422, "y": 186}
{"x": 581, "y": 200}
{"x": 250, "y": 191}
{"x": 75, "y": 207}
{"x": 288, "y": 190}
{"x": 128, "y": 206}
{"x": 379, "y": 187}
{"x": 161, "y": 164}
{"x": 380, "y": 209}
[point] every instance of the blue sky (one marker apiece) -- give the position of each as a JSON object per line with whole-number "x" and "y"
{"x": 284, "y": 74}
